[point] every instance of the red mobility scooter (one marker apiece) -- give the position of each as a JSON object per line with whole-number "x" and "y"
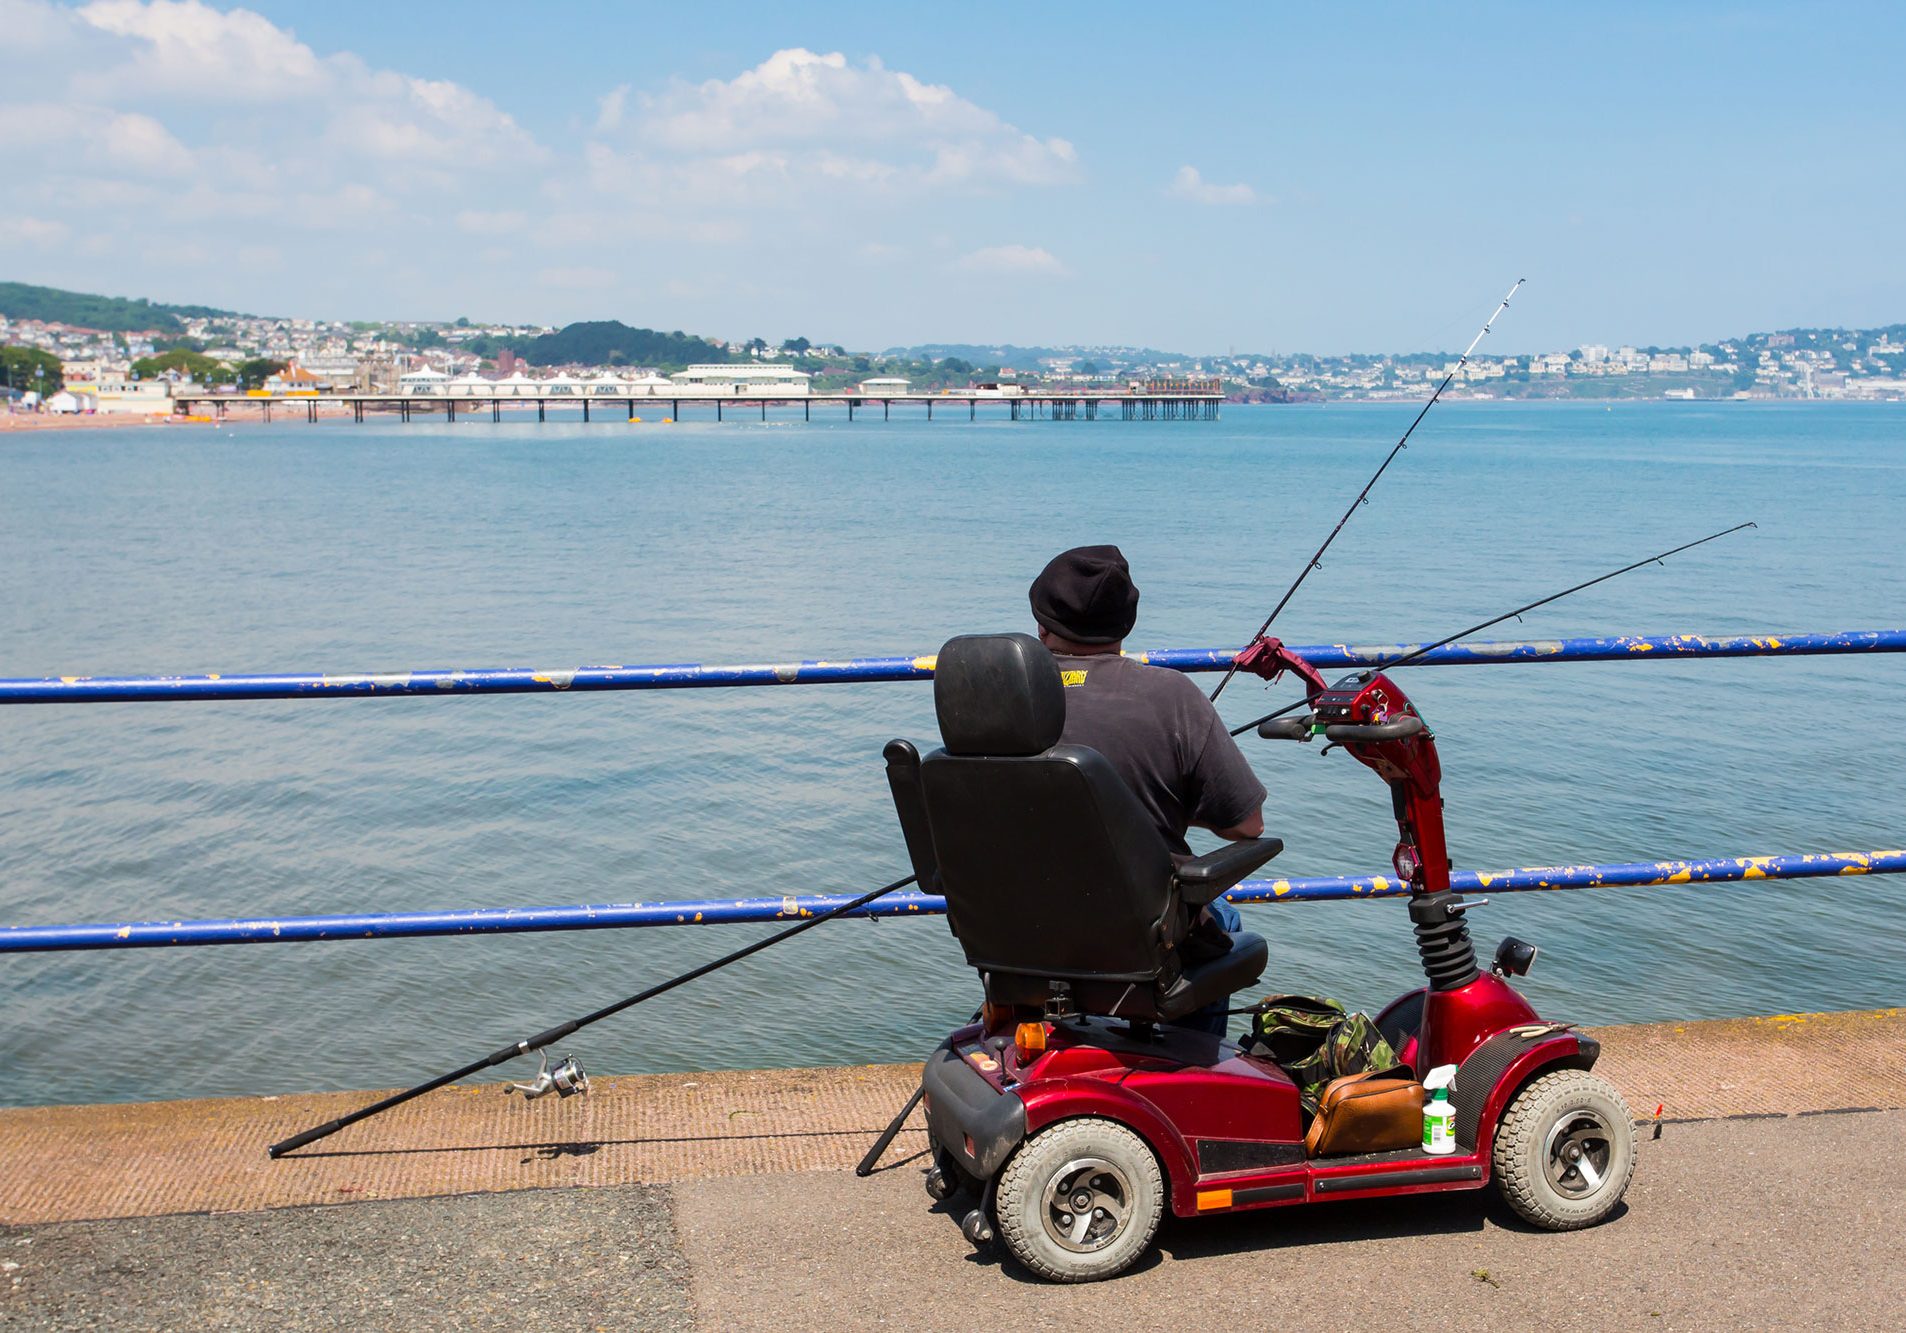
{"x": 1074, "y": 1112}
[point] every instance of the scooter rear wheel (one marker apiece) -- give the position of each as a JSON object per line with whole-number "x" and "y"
{"x": 1080, "y": 1201}
{"x": 1565, "y": 1151}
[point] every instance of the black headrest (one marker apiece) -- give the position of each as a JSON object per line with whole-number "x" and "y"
{"x": 998, "y": 694}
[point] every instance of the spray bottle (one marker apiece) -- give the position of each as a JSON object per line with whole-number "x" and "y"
{"x": 1439, "y": 1116}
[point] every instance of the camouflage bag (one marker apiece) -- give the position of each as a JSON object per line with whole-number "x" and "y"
{"x": 1315, "y": 1040}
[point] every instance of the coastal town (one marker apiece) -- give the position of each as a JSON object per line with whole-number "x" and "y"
{"x": 68, "y": 366}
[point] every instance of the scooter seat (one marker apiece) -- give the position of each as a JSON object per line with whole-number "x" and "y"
{"x": 1225, "y": 975}
{"x": 1145, "y": 999}
{"x": 1058, "y": 885}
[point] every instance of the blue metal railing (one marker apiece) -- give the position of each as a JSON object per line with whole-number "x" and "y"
{"x": 1625, "y": 648}
{"x": 868, "y": 670}
{"x": 615, "y": 916}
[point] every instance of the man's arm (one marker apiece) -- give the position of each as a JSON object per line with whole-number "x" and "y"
{"x": 1251, "y": 826}
{"x": 1230, "y": 796}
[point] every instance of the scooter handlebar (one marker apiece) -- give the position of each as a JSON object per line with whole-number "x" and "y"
{"x": 1395, "y": 729}
{"x": 1339, "y": 733}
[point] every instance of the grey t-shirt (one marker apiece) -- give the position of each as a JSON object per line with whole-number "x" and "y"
{"x": 1164, "y": 738}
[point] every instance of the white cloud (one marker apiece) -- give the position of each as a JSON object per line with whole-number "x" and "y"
{"x": 184, "y": 47}
{"x": 128, "y": 108}
{"x": 40, "y": 233}
{"x": 802, "y": 110}
{"x": 137, "y": 142}
{"x": 1012, "y": 259}
{"x": 1189, "y": 184}
{"x": 609, "y": 108}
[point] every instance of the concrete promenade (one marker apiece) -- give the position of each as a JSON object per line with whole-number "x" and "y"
{"x": 727, "y": 1201}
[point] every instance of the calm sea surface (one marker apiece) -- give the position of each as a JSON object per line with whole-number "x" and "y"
{"x": 343, "y": 547}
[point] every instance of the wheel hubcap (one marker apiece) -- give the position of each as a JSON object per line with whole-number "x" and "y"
{"x": 1087, "y": 1204}
{"x": 1580, "y": 1147}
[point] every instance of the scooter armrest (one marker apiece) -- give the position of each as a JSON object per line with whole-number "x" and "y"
{"x": 1204, "y": 878}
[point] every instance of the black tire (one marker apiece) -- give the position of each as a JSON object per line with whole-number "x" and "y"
{"x": 1080, "y": 1201}
{"x": 1565, "y": 1151}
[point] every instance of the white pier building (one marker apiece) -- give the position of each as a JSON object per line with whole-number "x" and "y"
{"x": 740, "y": 381}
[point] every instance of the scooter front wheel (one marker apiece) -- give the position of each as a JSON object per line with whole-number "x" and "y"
{"x": 1080, "y": 1201}
{"x": 1565, "y": 1151}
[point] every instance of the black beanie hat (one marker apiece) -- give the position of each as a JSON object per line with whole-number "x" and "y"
{"x": 1086, "y": 595}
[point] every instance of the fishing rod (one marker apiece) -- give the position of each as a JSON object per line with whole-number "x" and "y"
{"x": 567, "y": 1078}
{"x": 1363, "y": 496}
{"x": 1428, "y": 648}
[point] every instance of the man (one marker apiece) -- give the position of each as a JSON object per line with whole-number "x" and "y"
{"x": 1155, "y": 726}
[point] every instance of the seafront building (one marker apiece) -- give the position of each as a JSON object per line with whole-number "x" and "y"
{"x": 749, "y": 380}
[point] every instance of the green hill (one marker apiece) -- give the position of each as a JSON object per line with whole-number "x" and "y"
{"x": 110, "y": 314}
{"x": 611, "y": 342}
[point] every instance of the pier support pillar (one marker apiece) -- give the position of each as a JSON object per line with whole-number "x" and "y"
{"x": 718, "y": 409}
{"x": 807, "y": 411}
{"x": 764, "y": 409}
{"x": 585, "y": 411}
{"x": 886, "y": 409}
{"x": 541, "y": 411}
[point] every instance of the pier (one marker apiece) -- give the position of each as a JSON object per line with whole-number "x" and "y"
{"x": 726, "y": 1200}
{"x": 1166, "y": 401}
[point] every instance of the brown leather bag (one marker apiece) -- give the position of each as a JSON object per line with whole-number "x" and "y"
{"x": 1379, "y": 1110}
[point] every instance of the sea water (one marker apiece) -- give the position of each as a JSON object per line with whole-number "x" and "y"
{"x": 344, "y": 547}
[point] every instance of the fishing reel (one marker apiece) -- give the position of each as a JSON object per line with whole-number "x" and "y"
{"x": 565, "y": 1080}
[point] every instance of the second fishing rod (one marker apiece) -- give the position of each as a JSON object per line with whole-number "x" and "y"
{"x": 1424, "y": 650}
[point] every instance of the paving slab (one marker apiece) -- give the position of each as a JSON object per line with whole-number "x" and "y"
{"x": 1790, "y": 1222}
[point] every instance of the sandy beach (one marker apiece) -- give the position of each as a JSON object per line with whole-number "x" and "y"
{"x": 33, "y": 421}
{"x": 24, "y": 421}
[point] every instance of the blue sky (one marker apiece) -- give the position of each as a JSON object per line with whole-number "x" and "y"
{"x": 1259, "y": 176}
